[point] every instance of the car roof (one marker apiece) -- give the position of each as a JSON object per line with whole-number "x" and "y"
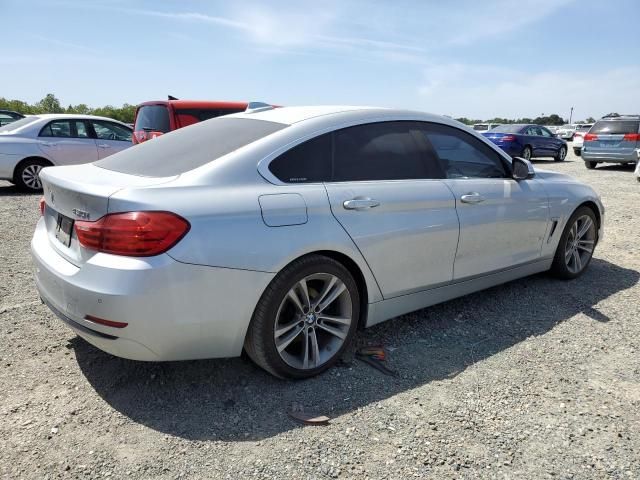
{"x": 197, "y": 104}
{"x": 332, "y": 113}
{"x": 54, "y": 116}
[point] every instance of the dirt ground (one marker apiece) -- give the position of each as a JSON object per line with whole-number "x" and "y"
{"x": 538, "y": 378}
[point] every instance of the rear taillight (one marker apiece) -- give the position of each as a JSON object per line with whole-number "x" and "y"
{"x": 43, "y": 205}
{"x": 144, "y": 135}
{"x": 508, "y": 138}
{"x": 590, "y": 137}
{"x": 632, "y": 137}
{"x": 135, "y": 234}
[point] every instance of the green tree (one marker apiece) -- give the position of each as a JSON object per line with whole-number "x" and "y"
{"x": 590, "y": 120}
{"x": 49, "y": 104}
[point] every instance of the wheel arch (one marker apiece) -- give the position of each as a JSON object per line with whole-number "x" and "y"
{"x": 593, "y": 206}
{"x": 27, "y": 159}
{"x": 354, "y": 269}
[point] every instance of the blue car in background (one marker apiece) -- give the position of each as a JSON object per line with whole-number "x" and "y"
{"x": 528, "y": 141}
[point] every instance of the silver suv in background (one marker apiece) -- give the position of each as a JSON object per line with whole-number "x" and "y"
{"x": 613, "y": 139}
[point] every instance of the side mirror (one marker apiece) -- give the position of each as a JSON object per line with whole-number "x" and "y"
{"x": 522, "y": 169}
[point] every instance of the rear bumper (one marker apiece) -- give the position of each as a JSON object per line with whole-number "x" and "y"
{"x": 8, "y": 165}
{"x": 608, "y": 157}
{"x": 174, "y": 311}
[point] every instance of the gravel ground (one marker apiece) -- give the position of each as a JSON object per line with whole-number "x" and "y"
{"x": 538, "y": 378}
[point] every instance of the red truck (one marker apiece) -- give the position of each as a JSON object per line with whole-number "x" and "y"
{"x": 155, "y": 118}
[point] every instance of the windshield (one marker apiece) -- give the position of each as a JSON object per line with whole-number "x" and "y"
{"x": 152, "y": 118}
{"x": 514, "y": 128}
{"x": 584, "y": 128}
{"x": 18, "y": 124}
{"x": 615, "y": 127}
{"x": 189, "y": 148}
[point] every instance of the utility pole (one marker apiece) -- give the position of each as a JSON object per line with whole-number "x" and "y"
{"x": 571, "y": 116}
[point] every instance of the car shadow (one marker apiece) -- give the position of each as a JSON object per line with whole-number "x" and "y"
{"x": 617, "y": 167}
{"x": 231, "y": 399}
{"x": 9, "y": 190}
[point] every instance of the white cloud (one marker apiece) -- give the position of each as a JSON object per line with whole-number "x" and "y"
{"x": 487, "y": 91}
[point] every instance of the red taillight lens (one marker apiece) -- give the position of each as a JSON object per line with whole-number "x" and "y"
{"x": 135, "y": 234}
{"x": 107, "y": 323}
{"x": 43, "y": 205}
{"x": 632, "y": 137}
{"x": 508, "y": 138}
{"x": 590, "y": 137}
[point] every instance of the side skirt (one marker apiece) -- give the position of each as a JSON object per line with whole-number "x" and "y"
{"x": 393, "y": 307}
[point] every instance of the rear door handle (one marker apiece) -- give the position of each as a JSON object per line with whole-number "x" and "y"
{"x": 104, "y": 145}
{"x": 360, "y": 203}
{"x": 472, "y": 197}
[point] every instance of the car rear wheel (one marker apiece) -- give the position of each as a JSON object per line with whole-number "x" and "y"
{"x": 590, "y": 165}
{"x": 576, "y": 245}
{"x": 526, "y": 153}
{"x": 305, "y": 319}
{"x": 27, "y": 174}
{"x": 577, "y": 152}
{"x": 562, "y": 154}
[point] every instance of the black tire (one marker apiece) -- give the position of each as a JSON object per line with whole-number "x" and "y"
{"x": 22, "y": 174}
{"x": 590, "y": 165}
{"x": 527, "y": 153}
{"x": 260, "y": 344}
{"x": 562, "y": 154}
{"x": 577, "y": 152}
{"x": 559, "y": 267}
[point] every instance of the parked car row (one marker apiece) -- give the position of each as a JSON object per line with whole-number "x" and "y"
{"x": 528, "y": 141}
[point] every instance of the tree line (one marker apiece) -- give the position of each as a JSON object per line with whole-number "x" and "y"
{"x": 126, "y": 113}
{"x": 553, "y": 119}
{"x": 50, "y": 104}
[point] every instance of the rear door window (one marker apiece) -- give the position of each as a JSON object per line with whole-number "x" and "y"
{"x": 152, "y": 118}
{"x": 381, "y": 151}
{"x": 58, "y": 128}
{"x": 616, "y": 127}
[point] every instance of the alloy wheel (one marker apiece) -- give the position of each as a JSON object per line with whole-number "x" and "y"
{"x": 526, "y": 154}
{"x": 313, "y": 321}
{"x": 580, "y": 244}
{"x": 31, "y": 176}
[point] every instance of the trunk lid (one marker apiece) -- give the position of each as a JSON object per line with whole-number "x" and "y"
{"x": 613, "y": 138}
{"x": 81, "y": 192}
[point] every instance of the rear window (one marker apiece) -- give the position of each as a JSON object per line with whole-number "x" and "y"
{"x": 18, "y": 123}
{"x": 615, "y": 127}
{"x": 507, "y": 129}
{"x": 481, "y": 127}
{"x": 152, "y": 118}
{"x": 189, "y": 148}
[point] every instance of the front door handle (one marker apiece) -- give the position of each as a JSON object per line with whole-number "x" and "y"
{"x": 360, "y": 203}
{"x": 472, "y": 197}
{"x": 104, "y": 145}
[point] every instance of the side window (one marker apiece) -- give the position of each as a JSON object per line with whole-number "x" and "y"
{"x": 545, "y": 133}
{"x": 81, "y": 129}
{"x": 381, "y": 151}
{"x": 58, "y": 128}
{"x": 530, "y": 131}
{"x": 308, "y": 162}
{"x": 111, "y": 131}
{"x": 462, "y": 155}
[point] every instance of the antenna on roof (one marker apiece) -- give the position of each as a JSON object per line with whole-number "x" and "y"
{"x": 171, "y": 97}
{"x": 253, "y": 107}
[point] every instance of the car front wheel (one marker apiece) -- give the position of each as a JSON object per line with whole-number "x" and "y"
{"x": 305, "y": 319}
{"x": 576, "y": 245}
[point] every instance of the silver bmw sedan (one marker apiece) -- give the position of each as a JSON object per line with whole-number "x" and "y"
{"x": 282, "y": 231}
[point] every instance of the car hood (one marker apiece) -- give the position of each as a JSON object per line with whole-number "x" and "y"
{"x": 551, "y": 176}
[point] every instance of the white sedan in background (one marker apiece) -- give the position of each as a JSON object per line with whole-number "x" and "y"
{"x": 38, "y": 141}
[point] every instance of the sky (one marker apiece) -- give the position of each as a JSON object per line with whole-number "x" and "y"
{"x": 471, "y": 58}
